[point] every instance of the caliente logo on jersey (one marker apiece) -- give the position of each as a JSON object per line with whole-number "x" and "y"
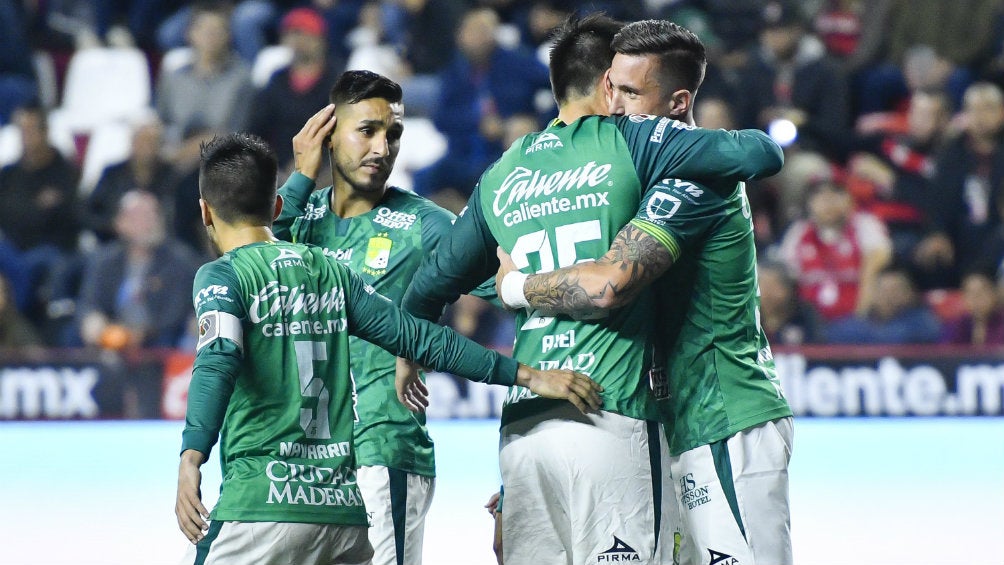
{"x": 546, "y": 140}
{"x": 523, "y": 184}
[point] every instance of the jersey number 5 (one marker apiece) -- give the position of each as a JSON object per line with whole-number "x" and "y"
{"x": 313, "y": 420}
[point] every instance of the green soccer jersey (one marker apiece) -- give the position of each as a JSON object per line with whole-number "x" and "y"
{"x": 271, "y": 378}
{"x": 721, "y": 375}
{"x": 384, "y": 246}
{"x": 559, "y": 197}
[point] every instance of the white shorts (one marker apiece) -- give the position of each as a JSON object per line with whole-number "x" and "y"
{"x": 733, "y": 498}
{"x": 580, "y": 489}
{"x": 281, "y": 543}
{"x": 397, "y": 503}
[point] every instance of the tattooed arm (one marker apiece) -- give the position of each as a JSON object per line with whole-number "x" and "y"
{"x": 585, "y": 290}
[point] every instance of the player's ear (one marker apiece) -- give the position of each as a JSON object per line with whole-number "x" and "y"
{"x": 679, "y": 103}
{"x": 278, "y": 207}
{"x": 207, "y": 213}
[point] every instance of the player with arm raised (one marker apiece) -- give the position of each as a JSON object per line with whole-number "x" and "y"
{"x": 271, "y": 378}
{"x": 381, "y": 232}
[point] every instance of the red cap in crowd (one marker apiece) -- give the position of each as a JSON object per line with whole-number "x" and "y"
{"x": 304, "y": 20}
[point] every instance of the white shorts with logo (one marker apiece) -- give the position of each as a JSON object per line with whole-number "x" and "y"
{"x": 733, "y": 498}
{"x": 580, "y": 489}
{"x": 397, "y": 503}
{"x": 281, "y": 543}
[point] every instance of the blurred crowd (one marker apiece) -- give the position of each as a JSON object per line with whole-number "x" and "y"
{"x": 886, "y": 225}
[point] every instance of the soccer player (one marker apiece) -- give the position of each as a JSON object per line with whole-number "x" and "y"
{"x": 272, "y": 380}
{"x": 381, "y": 232}
{"x": 579, "y": 488}
{"x": 729, "y": 426}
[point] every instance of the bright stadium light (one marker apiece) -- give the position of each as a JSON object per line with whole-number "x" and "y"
{"x": 784, "y": 132}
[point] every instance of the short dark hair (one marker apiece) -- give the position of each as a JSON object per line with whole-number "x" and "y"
{"x": 581, "y": 53}
{"x": 682, "y": 57}
{"x": 237, "y": 178}
{"x": 354, "y": 86}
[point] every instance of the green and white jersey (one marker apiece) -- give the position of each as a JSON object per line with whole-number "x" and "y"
{"x": 271, "y": 378}
{"x": 559, "y": 197}
{"x": 721, "y": 375}
{"x": 384, "y": 246}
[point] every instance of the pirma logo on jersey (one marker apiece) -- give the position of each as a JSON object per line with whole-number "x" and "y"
{"x": 546, "y": 140}
{"x": 287, "y": 258}
{"x": 523, "y": 184}
{"x": 619, "y": 552}
{"x": 719, "y": 558}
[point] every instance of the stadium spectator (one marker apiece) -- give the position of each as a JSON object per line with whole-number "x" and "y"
{"x": 835, "y": 253}
{"x": 135, "y": 291}
{"x": 784, "y": 316}
{"x": 891, "y": 174}
{"x": 968, "y": 181}
{"x": 296, "y": 92}
{"x": 789, "y": 77}
{"x": 207, "y": 96}
{"x": 250, "y": 20}
{"x": 483, "y": 86}
{"x": 145, "y": 169}
{"x": 983, "y": 321}
{"x": 929, "y": 43}
{"x": 39, "y": 216}
{"x": 897, "y": 315}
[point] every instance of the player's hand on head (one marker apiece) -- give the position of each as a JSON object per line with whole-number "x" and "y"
{"x": 310, "y": 141}
{"x": 574, "y": 387}
{"x": 192, "y": 515}
{"x": 411, "y": 391}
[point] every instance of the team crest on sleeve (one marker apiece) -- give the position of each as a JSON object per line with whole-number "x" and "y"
{"x": 661, "y": 206}
{"x": 377, "y": 255}
{"x": 215, "y": 324}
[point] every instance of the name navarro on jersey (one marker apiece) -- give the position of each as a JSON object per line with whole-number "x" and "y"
{"x": 277, "y": 298}
{"x": 523, "y": 185}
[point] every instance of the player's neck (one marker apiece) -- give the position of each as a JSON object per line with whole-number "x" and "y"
{"x": 348, "y": 202}
{"x": 232, "y": 237}
{"x": 575, "y": 108}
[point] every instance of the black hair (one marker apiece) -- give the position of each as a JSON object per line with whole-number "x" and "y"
{"x": 354, "y": 86}
{"x": 682, "y": 57}
{"x": 580, "y": 54}
{"x": 237, "y": 178}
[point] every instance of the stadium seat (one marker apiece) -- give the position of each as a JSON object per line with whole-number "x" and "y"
{"x": 109, "y": 143}
{"x": 105, "y": 84}
{"x": 270, "y": 59}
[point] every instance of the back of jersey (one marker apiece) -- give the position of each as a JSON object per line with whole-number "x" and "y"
{"x": 556, "y": 198}
{"x": 295, "y": 378}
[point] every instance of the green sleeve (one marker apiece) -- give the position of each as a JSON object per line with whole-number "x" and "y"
{"x": 218, "y": 356}
{"x": 456, "y": 266}
{"x": 436, "y": 226}
{"x": 679, "y": 214}
{"x": 295, "y": 195}
{"x": 377, "y": 320}
{"x": 663, "y": 147}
